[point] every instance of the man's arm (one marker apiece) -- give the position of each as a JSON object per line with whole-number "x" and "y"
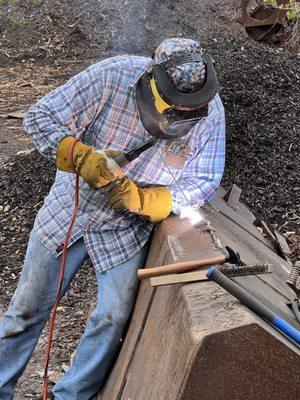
{"x": 66, "y": 111}
{"x": 204, "y": 171}
{"x": 200, "y": 179}
{"x": 64, "y": 114}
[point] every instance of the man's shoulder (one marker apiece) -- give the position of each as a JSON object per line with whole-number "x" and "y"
{"x": 130, "y": 61}
{"x": 123, "y": 62}
{"x": 216, "y": 108}
{"x": 119, "y": 70}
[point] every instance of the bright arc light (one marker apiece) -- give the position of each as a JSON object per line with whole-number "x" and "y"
{"x": 192, "y": 214}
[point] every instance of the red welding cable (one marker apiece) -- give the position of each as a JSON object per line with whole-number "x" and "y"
{"x": 59, "y": 286}
{"x": 61, "y": 275}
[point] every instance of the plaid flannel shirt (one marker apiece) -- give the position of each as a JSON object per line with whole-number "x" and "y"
{"x": 98, "y": 106}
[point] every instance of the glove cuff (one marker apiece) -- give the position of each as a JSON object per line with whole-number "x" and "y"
{"x": 64, "y": 154}
{"x": 156, "y": 203}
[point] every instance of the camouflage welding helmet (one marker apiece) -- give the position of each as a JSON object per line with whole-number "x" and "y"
{"x": 174, "y": 92}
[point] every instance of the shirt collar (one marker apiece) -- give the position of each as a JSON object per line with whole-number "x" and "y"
{"x": 135, "y": 80}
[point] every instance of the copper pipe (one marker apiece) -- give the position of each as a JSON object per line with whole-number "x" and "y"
{"x": 179, "y": 267}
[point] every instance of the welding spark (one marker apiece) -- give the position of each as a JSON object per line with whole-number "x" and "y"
{"x": 192, "y": 214}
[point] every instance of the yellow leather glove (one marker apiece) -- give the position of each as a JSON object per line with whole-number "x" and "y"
{"x": 96, "y": 168}
{"x": 153, "y": 203}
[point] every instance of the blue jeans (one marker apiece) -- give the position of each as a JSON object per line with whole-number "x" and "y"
{"x": 30, "y": 307}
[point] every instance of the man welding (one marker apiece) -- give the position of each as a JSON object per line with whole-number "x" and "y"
{"x": 113, "y": 106}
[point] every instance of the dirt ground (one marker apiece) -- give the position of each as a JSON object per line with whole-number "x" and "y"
{"x": 259, "y": 88}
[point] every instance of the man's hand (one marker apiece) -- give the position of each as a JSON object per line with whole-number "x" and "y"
{"x": 153, "y": 203}
{"x": 96, "y": 168}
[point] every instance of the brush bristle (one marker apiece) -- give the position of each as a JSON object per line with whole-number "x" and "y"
{"x": 238, "y": 270}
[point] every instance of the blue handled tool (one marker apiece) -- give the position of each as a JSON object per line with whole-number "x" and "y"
{"x": 255, "y": 305}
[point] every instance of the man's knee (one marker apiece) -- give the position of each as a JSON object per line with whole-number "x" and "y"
{"x": 18, "y": 318}
{"x": 113, "y": 318}
{"x": 12, "y": 325}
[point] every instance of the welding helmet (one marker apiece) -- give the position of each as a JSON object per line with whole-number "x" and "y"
{"x": 173, "y": 93}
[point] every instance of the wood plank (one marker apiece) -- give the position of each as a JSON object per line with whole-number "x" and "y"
{"x": 179, "y": 278}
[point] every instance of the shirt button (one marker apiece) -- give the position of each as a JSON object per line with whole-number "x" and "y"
{"x": 60, "y": 248}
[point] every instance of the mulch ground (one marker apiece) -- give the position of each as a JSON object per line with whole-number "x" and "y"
{"x": 260, "y": 91}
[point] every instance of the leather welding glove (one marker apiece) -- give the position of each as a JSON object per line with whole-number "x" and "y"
{"x": 153, "y": 203}
{"x": 96, "y": 168}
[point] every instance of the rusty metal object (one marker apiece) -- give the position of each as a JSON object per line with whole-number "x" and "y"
{"x": 264, "y": 21}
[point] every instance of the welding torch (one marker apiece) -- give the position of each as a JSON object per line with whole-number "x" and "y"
{"x": 122, "y": 159}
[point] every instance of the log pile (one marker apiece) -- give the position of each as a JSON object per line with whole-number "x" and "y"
{"x": 195, "y": 341}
